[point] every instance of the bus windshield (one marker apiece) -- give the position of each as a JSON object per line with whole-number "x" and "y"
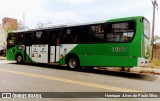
{"x": 147, "y": 37}
{"x": 11, "y": 41}
{"x": 146, "y": 28}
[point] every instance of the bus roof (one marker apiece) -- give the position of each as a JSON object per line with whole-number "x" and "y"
{"x": 78, "y": 24}
{"x": 126, "y": 18}
{"x": 58, "y": 26}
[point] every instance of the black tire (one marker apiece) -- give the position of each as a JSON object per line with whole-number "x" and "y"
{"x": 73, "y": 62}
{"x": 4, "y": 54}
{"x": 19, "y": 59}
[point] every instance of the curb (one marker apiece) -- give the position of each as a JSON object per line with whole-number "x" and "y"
{"x": 134, "y": 70}
{"x": 146, "y": 70}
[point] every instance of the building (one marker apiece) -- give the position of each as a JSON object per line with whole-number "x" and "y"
{"x": 3, "y": 37}
{"x": 156, "y": 53}
{"x": 9, "y": 24}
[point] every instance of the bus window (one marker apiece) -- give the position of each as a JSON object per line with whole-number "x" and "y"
{"x": 85, "y": 34}
{"x": 100, "y": 29}
{"x": 98, "y": 33}
{"x": 40, "y": 37}
{"x": 120, "y": 32}
{"x": 71, "y": 35}
{"x": 146, "y": 25}
{"x": 20, "y": 38}
{"x": 94, "y": 33}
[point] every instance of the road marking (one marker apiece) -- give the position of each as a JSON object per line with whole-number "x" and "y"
{"x": 69, "y": 81}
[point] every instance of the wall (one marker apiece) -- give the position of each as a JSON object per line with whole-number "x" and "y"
{"x": 156, "y": 51}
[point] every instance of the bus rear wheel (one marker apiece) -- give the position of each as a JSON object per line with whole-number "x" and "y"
{"x": 19, "y": 59}
{"x": 73, "y": 62}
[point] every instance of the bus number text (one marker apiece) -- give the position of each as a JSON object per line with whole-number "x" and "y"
{"x": 119, "y": 49}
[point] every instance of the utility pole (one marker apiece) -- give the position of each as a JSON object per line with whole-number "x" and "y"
{"x": 155, "y": 5}
{"x": 23, "y": 20}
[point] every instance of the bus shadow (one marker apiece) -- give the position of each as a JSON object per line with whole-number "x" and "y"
{"x": 137, "y": 76}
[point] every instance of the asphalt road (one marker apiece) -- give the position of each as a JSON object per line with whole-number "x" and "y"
{"x": 46, "y": 78}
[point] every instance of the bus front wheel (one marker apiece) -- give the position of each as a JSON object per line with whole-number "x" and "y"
{"x": 73, "y": 62}
{"x": 19, "y": 59}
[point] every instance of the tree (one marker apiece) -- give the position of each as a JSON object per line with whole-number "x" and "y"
{"x": 42, "y": 25}
{"x": 20, "y": 25}
{"x": 157, "y": 40}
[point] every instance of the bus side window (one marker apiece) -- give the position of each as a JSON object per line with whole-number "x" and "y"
{"x": 110, "y": 37}
{"x": 71, "y": 35}
{"x": 123, "y": 31}
{"x": 118, "y": 37}
{"x": 100, "y": 29}
{"x": 93, "y": 33}
{"x": 66, "y": 36}
{"x": 40, "y": 37}
{"x": 98, "y": 33}
{"x": 125, "y": 39}
{"x": 85, "y": 37}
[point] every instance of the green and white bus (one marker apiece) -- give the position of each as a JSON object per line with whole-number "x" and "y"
{"x": 121, "y": 42}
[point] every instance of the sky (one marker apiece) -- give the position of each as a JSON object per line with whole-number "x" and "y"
{"x": 76, "y": 11}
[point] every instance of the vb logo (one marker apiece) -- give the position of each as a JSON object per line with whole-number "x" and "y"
{"x": 6, "y": 95}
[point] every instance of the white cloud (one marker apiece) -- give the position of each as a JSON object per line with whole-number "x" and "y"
{"x": 76, "y": 10}
{"x": 16, "y": 8}
{"x": 79, "y": 1}
{"x": 74, "y": 1}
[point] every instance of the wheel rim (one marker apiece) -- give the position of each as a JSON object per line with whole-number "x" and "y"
{"x": 72, "y": 63}
{"x": 19, "y": 59}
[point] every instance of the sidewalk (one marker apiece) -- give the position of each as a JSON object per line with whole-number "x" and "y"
{"x": 146, "y": 70}
{"x": 2, "y": 58}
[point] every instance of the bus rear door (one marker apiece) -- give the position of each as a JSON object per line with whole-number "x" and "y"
{"x": 54, "y": 46}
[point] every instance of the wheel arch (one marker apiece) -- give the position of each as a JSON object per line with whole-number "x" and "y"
{"x": 17, "y": 54}
{"x": 71, "y": 55}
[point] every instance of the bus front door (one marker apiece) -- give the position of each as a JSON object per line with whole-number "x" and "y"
{"x": 54, "y": 50}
